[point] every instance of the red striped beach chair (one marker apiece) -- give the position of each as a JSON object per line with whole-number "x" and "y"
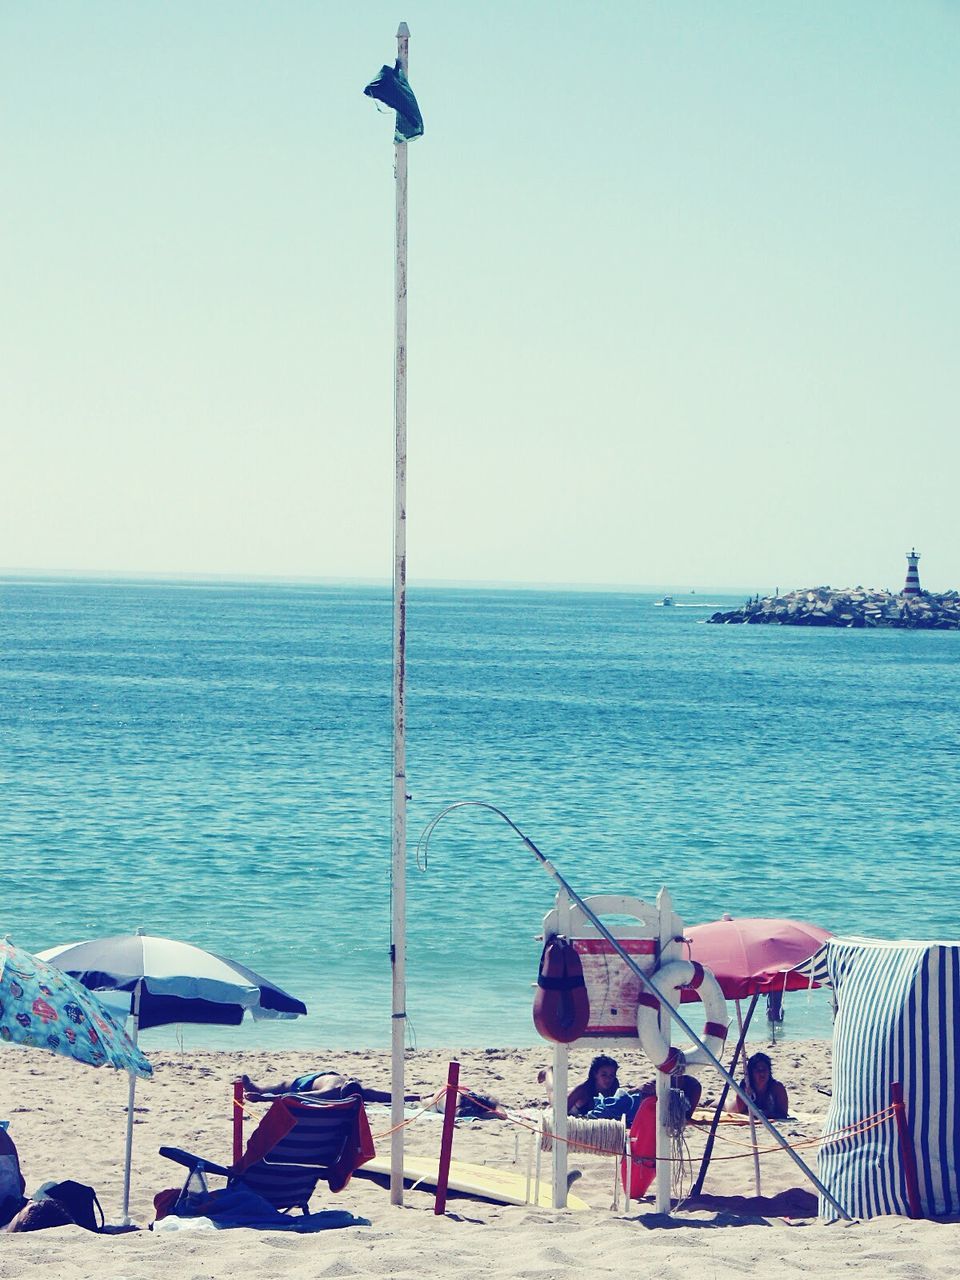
{"x": 297, "y": 1144}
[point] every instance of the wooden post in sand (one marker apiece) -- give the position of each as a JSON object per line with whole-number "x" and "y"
{"x": 398, "y": 880}
{"x": 450, "y": 1103}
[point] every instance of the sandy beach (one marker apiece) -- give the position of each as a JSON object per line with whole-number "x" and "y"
{"x": 68, "y": 1121}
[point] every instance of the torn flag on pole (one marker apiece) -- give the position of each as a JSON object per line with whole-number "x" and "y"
{"x": 392, "y": 87}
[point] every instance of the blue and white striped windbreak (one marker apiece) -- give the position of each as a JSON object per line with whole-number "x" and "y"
{"x": 896, "y": 1021}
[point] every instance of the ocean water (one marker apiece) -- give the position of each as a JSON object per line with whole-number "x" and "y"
{"x": 213, "y": 762}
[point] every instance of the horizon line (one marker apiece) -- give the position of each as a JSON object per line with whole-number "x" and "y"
{"x": 266, "y": 579}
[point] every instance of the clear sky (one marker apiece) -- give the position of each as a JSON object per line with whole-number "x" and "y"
{"x": 684, "y": 284}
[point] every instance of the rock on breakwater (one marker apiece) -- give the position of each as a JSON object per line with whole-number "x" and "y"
{"x": 851, "y": 607}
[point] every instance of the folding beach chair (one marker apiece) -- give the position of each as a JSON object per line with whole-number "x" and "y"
{"x": 297, "y": 1144}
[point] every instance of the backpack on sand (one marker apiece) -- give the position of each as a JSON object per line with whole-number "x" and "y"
{"x": 79, "y": 1201}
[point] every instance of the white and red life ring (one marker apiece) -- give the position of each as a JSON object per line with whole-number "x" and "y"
{"x": 670, "y": 980}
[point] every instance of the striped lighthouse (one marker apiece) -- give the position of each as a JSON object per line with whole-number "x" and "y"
{"x": 912, "y": 585}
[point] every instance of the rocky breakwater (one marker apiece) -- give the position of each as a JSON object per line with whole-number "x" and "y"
{"x": 851, "y": 607}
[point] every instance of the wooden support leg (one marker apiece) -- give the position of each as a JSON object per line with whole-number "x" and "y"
{"x": 446, "y": 1137}
{"x": 560, "y": 1090}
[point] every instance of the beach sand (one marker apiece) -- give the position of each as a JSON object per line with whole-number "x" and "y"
{"x": 68, "y": 1122}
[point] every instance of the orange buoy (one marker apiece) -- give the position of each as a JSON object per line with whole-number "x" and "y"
{"x": 642, "y": 1144}
{"x": 561, "y": 1006}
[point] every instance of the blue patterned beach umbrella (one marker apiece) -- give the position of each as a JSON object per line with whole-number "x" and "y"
{"x": 42, "y": 1008}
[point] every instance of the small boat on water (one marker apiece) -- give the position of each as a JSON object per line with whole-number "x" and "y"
{"x": 667, "y": 600}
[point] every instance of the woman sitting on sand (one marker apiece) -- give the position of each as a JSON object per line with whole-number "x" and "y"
{"x": 601, "y": 1082}
{"x": 768, "y": 1094}
{"x": 626, "y": 1102}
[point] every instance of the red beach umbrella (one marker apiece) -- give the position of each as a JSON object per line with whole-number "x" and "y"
{"x": 754, "y": 954}
{"x": 749, "y": 957}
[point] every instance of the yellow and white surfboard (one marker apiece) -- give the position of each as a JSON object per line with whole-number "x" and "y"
{"x": 503, "y": 1186}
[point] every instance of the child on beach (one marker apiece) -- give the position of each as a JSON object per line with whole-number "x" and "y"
{"x": 768, "y": 1094}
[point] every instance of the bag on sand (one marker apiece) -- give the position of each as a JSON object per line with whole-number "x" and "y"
{"x": 79, "y": 1201}
{"x": 12, "y": 1185}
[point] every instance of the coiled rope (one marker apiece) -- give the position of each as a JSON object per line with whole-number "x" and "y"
{"x": 592, "y": 1137}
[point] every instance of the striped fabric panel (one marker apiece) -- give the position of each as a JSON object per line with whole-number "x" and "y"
{"x": 894, "y": 1023}
{"x": 315, "y": 1141}
{"x": 815, "y": 969}
{"x": 938, "y": 1155}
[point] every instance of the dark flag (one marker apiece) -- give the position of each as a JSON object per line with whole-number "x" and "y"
{"x": 392, "y": 87}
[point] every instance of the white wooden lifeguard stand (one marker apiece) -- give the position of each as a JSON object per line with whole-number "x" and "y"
{"x": 653, "y": 941}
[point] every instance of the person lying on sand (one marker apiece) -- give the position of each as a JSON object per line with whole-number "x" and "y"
{"x": 473, "y": 1106}
{"x": 329, "y": 1086}
{"x": 768, "y": 1094}
{"x": 325, "y": 1085}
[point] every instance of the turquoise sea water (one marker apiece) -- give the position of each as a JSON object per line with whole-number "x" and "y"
{"x": 213, "y": 762}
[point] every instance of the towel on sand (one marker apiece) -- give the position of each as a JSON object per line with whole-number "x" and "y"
{"x": 238, "y": 1206}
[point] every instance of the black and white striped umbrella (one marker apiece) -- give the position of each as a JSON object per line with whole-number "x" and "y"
{"x": 175, "y": 981}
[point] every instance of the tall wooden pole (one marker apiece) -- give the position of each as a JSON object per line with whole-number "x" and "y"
{"x": 398, "y": 938}
{"x": 134, "y": 1030}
